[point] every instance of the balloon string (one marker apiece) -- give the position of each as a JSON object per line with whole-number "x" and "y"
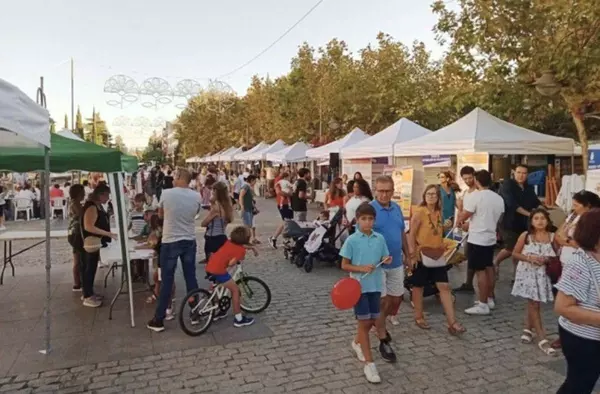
{"x": 368, "y": 273}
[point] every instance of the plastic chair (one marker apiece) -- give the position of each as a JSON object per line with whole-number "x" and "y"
{"x": 23, "y": 205}
{"x": 58, "y": 204}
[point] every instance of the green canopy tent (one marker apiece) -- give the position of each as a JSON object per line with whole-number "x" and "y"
{"x": 66, "y": 155}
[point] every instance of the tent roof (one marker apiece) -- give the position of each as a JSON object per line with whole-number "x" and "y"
{"x": 23, "y": 123}
{"x": 223, "y": 153}
{"x": 65, "y": 155}
{"x": 292, "y": 153}
{"x": 215, "y": 156}
{"x": 244, "y": 156}
{"x": 195, "y": 159}
{"x": 69, "y": 134}
{"x": 382, "y": 143}
{"x": 322, "y": 152}
{"x": 262, "y": 153}
{"x": 479, "y": 131}
{"x": 231, "y": 155}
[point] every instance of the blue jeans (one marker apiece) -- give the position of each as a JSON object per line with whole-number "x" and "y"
{"x": 169, "y": 253}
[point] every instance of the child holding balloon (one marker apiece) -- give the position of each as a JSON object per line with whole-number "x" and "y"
{"x": 362, "y": 254}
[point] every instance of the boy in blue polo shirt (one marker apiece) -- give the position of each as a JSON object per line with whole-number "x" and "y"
{"x": 361, "y": 255}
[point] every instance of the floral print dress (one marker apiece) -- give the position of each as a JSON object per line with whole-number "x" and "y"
{"x": 531, "y": 280}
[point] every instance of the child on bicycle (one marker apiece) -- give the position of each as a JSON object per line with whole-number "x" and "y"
{"x": 228, "y": 255}
{"x": 361, "y": 253}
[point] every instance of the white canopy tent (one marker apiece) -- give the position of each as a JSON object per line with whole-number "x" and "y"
{"x": 244, "y": 156}
{"x": 382, "y": 144}
{"x": 69, "y": 134}
{"x": 214, "y": 157}
{"x": 479, "y": 131}
{"x": 292, "y": 154}
{"x": 322, "y": 152}
{"x": 193, "y": 160}
{"x": 219, "y": 156}
{"x": 262, "y": 154}
{"x": 230, "y": 156}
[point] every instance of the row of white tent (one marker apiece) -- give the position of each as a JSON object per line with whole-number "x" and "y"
{"x": 478, "y": 131}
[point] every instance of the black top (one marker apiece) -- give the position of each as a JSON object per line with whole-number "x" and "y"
{"x": 299, "y": 204}
{"x": 168, "y": 182}
{"x": 102, "y": 222}
{"x": 516, "y": 196}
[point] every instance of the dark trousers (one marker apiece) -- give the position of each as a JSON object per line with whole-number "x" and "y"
{"x": 158, "y": 193}
{"x": 583, "y": 366}
{"x": 212, "y": 243}
{"x": 89, "y": 268}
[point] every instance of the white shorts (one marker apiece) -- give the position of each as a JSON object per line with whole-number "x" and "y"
{"x": 393, "y": 282}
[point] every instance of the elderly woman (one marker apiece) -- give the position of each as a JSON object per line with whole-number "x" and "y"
{"x": 578, "y": 304}
{"x": 426, "y": 242}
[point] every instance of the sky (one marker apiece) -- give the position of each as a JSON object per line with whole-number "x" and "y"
{"x": 177, "y": 40}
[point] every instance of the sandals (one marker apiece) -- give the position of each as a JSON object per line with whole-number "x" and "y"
{"x": 456, "y": 329}
{"x": 151, "y": 299}
{"x": 545, "y": 347}
{"x": 527, "y": 336}
{"x": 422, "y": 324}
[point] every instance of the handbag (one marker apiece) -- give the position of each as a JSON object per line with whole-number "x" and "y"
{"x": 433, "y": 257}
{"x": 553, "y": 265}
{"x": 92, "y": 244}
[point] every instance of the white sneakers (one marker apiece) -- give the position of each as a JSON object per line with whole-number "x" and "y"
{"x": 92, "y": 302}
{"x": 359, "y": 353}
{"x": 371, "y": 373}
{"x": 491, "y": 303}
{"x": 479, "y": 308}
{"x": 394, "y": 320}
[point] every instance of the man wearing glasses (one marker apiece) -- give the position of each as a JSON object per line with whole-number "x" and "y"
{"x": 389, "y": 222}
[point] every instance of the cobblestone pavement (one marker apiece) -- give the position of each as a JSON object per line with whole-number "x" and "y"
{"x": 309, "y": 349}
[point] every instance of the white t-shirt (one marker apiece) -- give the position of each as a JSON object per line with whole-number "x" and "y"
{"x": 487, "y": 207}
{"x": 26, "y": 195}
{"x": 352, "y": 205}
{"x": 180, "y": 206}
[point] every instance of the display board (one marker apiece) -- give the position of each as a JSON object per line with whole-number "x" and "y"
{"x": 592, "y": 180}
{"x": 403, "y": 188}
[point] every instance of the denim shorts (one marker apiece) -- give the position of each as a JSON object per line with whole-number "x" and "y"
{"x": 248, "y": 219}
{"x": 222, "y": 278}
{"x": 368, "y": 306}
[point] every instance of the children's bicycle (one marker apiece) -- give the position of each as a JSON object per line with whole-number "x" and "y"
{"x": 206, "y": 306}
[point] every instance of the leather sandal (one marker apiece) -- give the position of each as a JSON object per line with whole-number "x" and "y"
{"x": 422, "y": 324}
{"x": 456, "y": 329}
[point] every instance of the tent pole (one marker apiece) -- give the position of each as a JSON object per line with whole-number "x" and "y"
{"x": 46, "y": 196}
{"x": 118, "y": 185}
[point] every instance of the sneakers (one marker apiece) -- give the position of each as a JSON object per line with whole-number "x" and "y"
{"x": 479, "y": 308}
{"x": 244, "y": 321}
{"x": 371, "y": 373}
{"x": 465, "y": 288}
{"x": 273, "y": 242}
{"x": 386, "y": 351}
{"x": 76, "y": 289}
{"x": 394, "y": 320}
{"x": 170, "y": 315}
{"x": 491, "y": 303}
{"x": 155, "y": 325}
{"x": 2, "y": 228}
{"x": 357, "y": 349}
{"x": 92, "y": 302}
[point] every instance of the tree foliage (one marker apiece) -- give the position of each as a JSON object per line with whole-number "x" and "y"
{"x": 96, "y": 131}
{"x": 79, "y": 127}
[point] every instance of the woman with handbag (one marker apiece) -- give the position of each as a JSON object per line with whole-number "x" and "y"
{"x": 95, "y": 230}
{"x": 427, "y": 260}
{"x": 578, "y": 304}
{"x": 534, "y": 250}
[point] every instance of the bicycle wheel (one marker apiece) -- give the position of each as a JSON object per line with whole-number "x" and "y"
{"x": 255, "y": 294}
{"x": 196, "y": 312}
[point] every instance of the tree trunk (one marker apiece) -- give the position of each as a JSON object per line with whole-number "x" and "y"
{"x": 582, "y": 134}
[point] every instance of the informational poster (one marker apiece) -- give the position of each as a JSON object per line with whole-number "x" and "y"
{"x": 592, "y": 180}
{"x": 364, "y": 166}
{"x": 479, "y": 161}
{"x": 403, "y": 188}
{"x": 436, "y": 161}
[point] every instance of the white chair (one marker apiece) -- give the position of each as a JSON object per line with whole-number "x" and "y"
{"x": 58, "y": 204}
{"x": 23, "y": 205}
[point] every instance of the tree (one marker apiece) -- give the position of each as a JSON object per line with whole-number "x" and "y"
{"x": 66, "y": 125}
{"x": 153, "y": 152}
{"x": 52, "y": 125}
{"x": 119, "y": 144}
{"x": 79, "y": 127}
{"x": 99, "y": 134}
{"x": 525, "y": 40}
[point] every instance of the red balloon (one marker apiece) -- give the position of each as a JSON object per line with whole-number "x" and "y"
{"x": 345, "y": 293}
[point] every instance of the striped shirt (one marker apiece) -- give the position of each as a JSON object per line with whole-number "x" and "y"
{"x": 577, "y": 281}
{"x": 137, "y": 222}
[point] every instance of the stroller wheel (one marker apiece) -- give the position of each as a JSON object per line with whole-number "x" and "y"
{"x": 299, "y": 260}
{"x": 286, "y": 255}
{"x": 308, "y": 263}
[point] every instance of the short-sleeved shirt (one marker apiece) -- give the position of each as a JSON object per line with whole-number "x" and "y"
{"x": 363, "y": 249}
{"x": 180, "y": 206}
{"x": 280, "y": 185}
{"x": 487, "y": 208}
{"x": 248, "y": 198}
{"x": 516, "y": 196}
{"x": 299, "y": 204}
{"x": 219, "y": 261}
{"x": 577, "y": 281}
{"x": 448, "y": 203}
{"x": 136, "y": 219}
{"x": 389, "y": 222}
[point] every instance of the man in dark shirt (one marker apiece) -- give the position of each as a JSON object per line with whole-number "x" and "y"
{"x": 300, "y": 195}
{"x": 519, "y": 200}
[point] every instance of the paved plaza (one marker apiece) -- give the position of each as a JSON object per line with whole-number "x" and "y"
{"x": 299, "y": 344}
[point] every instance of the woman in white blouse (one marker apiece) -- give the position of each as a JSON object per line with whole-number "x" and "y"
{"x": 361, "y": 193}
{"x": 578, "y": 304}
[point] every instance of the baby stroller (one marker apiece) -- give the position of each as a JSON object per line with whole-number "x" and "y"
{"x": 453, "y": 258}
{"x": 321, "y": 244}
{"x": 295, "y": 235}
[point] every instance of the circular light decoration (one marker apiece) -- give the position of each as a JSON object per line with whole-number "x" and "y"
{"x": 121, "y": 121}
{"x": 186, "y": 89}
{"x": 125, "y": 90}
{"x": 220, "y": 96}
{"x": 158, "y": 122}
{"x": 157, "y": 92}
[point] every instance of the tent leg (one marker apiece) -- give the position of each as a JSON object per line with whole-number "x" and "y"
{"x": 117, "y": 184}
{"x": 46, "y": 196}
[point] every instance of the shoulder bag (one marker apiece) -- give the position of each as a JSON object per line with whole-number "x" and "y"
{"x": 553, "y": 264}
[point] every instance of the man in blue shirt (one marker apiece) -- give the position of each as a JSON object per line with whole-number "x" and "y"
{"x": 389, "y": 222}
